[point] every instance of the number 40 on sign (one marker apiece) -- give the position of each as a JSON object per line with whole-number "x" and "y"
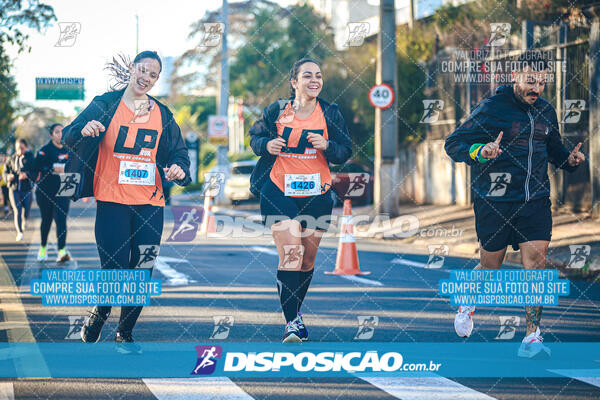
{"x": 381, "y": 96}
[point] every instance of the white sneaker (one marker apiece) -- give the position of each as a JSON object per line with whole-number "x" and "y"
{"x": 19, "y": 237}
{"x": 463, "y": 322}
{"x": 532, "y": 346}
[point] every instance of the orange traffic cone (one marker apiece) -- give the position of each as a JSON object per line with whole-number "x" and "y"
{"x": 346, "y": 262}
{"x": 208, "y": 217}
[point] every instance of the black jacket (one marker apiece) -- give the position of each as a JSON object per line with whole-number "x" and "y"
{"x": 46, "y": 157}
{"x": 16, "y": 164}
{"x": 171, "y": 147}
{"x": 265, "y": 129}
{"x": 530, "y": 139}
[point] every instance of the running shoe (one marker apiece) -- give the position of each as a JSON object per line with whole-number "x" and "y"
{"x": 19, "y": 237}
{"x": 42, "y": 254}
{"x": 463, "y": 322}
{"x": 63, "y": 256}
{"x": 291, "y": 335}
{"x": 532, "y": 346}
{"x": 91, "y": 330}
{"x": 125, "y": 345}
{"x": 302, "y": 331}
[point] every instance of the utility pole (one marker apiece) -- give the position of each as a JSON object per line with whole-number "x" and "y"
{"x": 137, "y": 34}
{"x": 386, "y": 134}
{"x": 224, "y": 92}
{"x": 223, "y": 105}
{"x": 594, "y": 107}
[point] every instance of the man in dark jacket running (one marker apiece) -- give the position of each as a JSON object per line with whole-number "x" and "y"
{"x": 508, "y": 140}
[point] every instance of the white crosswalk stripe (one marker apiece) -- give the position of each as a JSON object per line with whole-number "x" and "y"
{"x": 589, "y": 376}
{"x": 434, "y": 388}
{"x": 6, "y": 391}
{"x": 217, "y": 388}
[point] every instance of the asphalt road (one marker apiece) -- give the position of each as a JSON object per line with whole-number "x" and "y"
{"x": 234, "y": 278}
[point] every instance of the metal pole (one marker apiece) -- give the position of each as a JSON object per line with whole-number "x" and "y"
{"x": 386, "y": 135}
{"x": 223, "y": 104}
{"x": 594, "y": 118}
{"x": 137, "y": 34}
{"x": 224, "y": 92}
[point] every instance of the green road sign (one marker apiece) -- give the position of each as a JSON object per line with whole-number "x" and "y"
{"x": 59, "y": 89}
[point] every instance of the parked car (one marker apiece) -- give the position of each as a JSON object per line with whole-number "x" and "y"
{"x": 352, "y": 180}
{"x": 237, "y": 185}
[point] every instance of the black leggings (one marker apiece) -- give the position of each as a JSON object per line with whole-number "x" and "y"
{"x": 123, "y": 234}
{"x": 57, "y": 208}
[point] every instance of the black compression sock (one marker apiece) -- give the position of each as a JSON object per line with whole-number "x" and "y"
{"x": 305, "y": 278}
{"x": 287, "y": 287}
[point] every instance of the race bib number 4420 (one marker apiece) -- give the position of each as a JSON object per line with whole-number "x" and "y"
{"x": 302, "y": 184}
{"x": 137, "y": 173}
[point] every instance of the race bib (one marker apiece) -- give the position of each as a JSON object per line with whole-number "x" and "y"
{"x": 302, "y": 184}
{"x": 137, "y": 173}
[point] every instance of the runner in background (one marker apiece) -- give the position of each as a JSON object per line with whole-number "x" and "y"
{"x": 297, "y": 139}
{"x": 49, "y": 163}
{"x": 4, "y": 186}
{"x": 123, "y": 144}
{"x": 16, "y": 174}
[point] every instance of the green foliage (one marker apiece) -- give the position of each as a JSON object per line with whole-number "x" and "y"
{"x": 208, "y": 155}
{"x": 414, "y": 48}
{"x": 277, "y": 38}
{"x": 16, "y": 14}
{"x": 245, "y": 156}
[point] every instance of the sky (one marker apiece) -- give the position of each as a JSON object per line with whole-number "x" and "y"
{"x": 108, "y": 27}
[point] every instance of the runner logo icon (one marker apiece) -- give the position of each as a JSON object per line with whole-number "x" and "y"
{"x": 573, "y": 109}
{"x": 68, "y": 184}
{"x": 75, "y": 325}
{"x": 500, "y": 31}
{"x": 68, "y": 34}
{"x": 432, "y": 110}
{"x": 187, "y": 219}
{"x": 366, "y": 327}
{"x": 508, "y": 328}
{"x": 223, "y": 324}
{"x": 148, "y": 254}
{"x": 358, "y": 184}
{"x": 207, "y": 359}
{"x": 437, "y": 254}
{"x": 357, "y": 33}
{"x": 579, "y": 255}
{"x": 498, "y": 183}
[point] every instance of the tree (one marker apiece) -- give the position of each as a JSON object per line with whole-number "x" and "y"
{"x": 14, "y": 15}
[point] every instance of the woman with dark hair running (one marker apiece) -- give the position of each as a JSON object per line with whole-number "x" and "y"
{"x": 17, "y": 174}
{"x": 122, "y": 144}
{"x": 297, "y": 139}
{"x": 49, "y": 164}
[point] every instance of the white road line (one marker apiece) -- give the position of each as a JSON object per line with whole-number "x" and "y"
{"x": 264, "y": 250}
{"x": 174, "y": 277}
{"x": 358, "y": 279}
{"x": 7, "y": 391}
{"x": 592, "y": 378}
{"x": 15, "y": 314}
{"x": 434, "y": 388}
{"x": 196, "y": 389}
{"x": 410, "y": 263}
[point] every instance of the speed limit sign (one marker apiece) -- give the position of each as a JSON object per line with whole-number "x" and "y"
{"x": 381, "y": 96}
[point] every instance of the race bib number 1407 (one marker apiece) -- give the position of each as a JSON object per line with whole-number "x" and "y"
{"x": 137, "y": 173}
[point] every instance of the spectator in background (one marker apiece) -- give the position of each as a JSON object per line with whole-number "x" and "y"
{"x": 15, "y": 173}
{"x": 3, "y": 185}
